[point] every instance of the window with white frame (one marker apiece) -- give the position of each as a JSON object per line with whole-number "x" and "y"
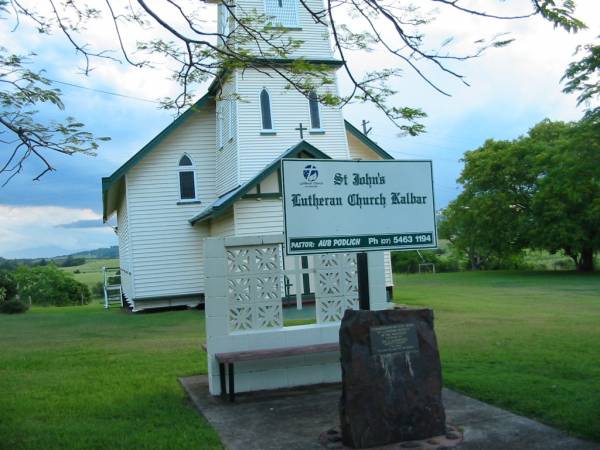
{"x": 315, "y": 112}
{"x": 282, "y": 13}
{"x": 265, "y": 110}
{"x": 187, "y": 179}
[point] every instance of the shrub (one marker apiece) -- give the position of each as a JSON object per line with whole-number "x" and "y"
{"x": 408, "y": 262}
{"x": 8, "y": 284}
{"x": 50, "y": 286}
{"x": 13, "y": 307}
{"x": 72, "y": 262}
{"x": 77, "y": 271}
{"x": 98, "y": 289}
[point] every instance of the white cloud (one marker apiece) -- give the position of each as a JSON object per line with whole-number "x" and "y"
{"x": 35, "y": 231}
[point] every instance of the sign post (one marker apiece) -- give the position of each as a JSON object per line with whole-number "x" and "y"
{"x": 362, "y": 274}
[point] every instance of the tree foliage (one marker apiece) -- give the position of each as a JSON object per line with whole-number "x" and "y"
{"x": 8, "y": 285}
{"x": 22, "y": 91}
{"x": 50, "y": 286}
{"x": 540, "y": 191}
{"x": 71, "y": 261}
{"x": 178, "y": 31}
{"x": 583, "y": 76}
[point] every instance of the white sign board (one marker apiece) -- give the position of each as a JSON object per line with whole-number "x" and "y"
{"x": 346, "y": 206}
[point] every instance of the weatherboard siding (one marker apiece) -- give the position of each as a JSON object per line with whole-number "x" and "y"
{"x": 288, "y": 109}
{"x": 227, "y": 153}
{"x": 124, "y": 249}
{"x": 166, "y": 250}
{"x": 257, "y": 217}
{"x": 314, "y": 36}
{"x": 359, "y": 150}
{"x": 223, "y": 226}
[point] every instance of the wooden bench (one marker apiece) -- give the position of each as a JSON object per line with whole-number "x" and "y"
{"x": 229, "y": 359}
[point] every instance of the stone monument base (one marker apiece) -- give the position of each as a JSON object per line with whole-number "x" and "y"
{"x": 332, "y": 439}
{"x": 391, "y": 378}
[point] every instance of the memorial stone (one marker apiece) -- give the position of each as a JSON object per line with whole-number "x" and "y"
{"x": 391, "y": 378}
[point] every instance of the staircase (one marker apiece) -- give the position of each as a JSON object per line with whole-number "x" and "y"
{"x": 113, "y": 295}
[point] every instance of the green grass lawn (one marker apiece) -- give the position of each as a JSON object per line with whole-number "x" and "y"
{"x": 528, "y": 342}
{"x": 82, "y": 377}
{"x": 86, "y": 378}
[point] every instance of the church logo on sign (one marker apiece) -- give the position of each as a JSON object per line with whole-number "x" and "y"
{"x": 311, "y": 175}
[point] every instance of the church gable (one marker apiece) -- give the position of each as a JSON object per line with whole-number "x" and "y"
{"x": 360, "y": 146}
{"x": 201, "y": 115}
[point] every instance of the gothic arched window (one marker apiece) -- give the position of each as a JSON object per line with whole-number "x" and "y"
{"x": 315, "y": 113}
{"x": 187, "y": 179}
{"x": 265, "y": 110}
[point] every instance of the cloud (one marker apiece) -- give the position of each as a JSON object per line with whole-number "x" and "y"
{"x": 90, "y": 223}
{"x": 511, "y": 89}
{"x": 40, "y": 231}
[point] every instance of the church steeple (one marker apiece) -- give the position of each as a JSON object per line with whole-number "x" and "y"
{"x": 258, "y": 110}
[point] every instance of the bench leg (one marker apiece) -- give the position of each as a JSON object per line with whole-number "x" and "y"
{"x": 222, "y": 379}
{"x": 231, "y": 385}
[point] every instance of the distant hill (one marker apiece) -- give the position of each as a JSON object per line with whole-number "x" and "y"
{"x": 99, "y": 253}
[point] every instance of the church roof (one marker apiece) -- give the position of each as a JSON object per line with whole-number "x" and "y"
{"x": 114, "y": 181}
{"x": 220, "y": 205}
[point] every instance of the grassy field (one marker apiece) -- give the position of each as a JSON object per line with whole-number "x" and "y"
{"x": 91, "y": 272}
{"x": 82, "y": 377}
{"x": 85, "y": 378}
{"x": 528, "y": 342}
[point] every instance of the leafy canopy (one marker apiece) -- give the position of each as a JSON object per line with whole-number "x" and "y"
{"x": 144, "y": 34}
{"x": 540, "y": 191}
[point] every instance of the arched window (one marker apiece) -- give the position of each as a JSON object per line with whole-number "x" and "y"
{"x": 265, "y": 110}
{"x": 315, "y": 113}
{"x": 187, "y": 179}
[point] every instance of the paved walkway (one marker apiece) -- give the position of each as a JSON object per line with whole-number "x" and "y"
{"x": 294, "y": 419}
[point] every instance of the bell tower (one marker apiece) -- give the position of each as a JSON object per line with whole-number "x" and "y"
{"x": 259, "y": 113}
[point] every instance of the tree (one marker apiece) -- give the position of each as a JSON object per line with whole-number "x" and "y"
{"x": 583, "y": 76}
{"x": 71, "y": 261}
{"x": 8, "y": 284}
{"x": 50, "y": 286}
{"x": 487, "y": 219}
{"x": 539, "y": 191}
{"x": 565, "y": 207}
{"x": 178, "y": 30}
{"x": 21, "y": 92}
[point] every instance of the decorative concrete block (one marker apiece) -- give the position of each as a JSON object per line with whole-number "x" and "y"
{"x": 215, "y": 267}
{"x": 216, "y": 307}
{"x": 216, "y": 325}
{"x": 216, "y": 287}
{"x": 214, "y": 248}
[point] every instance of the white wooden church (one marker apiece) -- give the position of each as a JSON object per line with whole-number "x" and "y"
{"x": 214, "y": 171}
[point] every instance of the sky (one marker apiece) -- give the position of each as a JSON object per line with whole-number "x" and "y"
{"x": 511, "y": 89}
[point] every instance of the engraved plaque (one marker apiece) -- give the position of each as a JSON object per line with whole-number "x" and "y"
{"x": 394, "y": 339}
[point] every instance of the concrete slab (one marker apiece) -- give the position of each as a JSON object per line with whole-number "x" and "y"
{"x": 293, "y": 419}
